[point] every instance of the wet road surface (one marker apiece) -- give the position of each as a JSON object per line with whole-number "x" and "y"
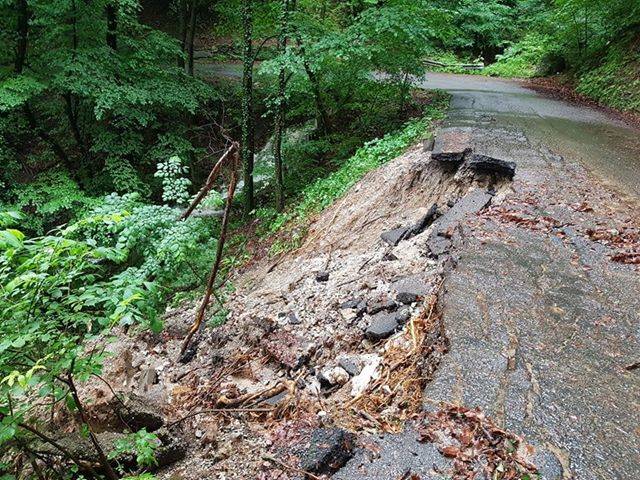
{"x": 542, "y": 323}
{"x": 605, "y": 146}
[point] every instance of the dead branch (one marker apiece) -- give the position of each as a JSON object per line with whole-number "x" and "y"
{"x": 219, "y": 410}
{"x": 256, "y": 396}
{"x": 208, "y": 185}
{"x": 111, "y": 474}
{"x": 221, "y": 241}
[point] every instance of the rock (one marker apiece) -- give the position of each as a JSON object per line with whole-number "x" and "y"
{"x": 486, "y": 164}
{"x": 351, "y": 365}
{"x": 330, "y": 377}
{"x": 369, "y": 372}
{"x": 380, "y": 305}
{"x": 403, "y": 316}
{"x": 359, "y": 306}
{"x": 410, "y": 289}
{"x": 382, "y": 325}
{"x": 137, "y": 413}
{"x": 322, "y": 276}
{"x": 290, "y": 350}
{"x": 293, "y": 319}
{"x": 425, "y": 221}
{"x": 149, "y": 377}
{"x": 395, "y": 236}
{"x": 329, "y": 449}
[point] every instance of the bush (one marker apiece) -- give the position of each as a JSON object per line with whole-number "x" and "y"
{"x": 52, "y": 199}
{"x": 521, "y": 59}
{"x": 616, "y": 82}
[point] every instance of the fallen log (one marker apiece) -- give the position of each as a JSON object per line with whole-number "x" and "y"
{"x": 466, "y": 66}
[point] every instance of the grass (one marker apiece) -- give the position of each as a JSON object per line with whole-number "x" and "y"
{"x": 616, "y": 81}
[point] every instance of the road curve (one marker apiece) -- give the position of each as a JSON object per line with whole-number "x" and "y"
{"x": 604, "y": 145}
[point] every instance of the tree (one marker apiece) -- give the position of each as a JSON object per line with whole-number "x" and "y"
{"x": 103, "y": 105}
{"x": 248, "y": 133}
{"x": 280, "y": 114}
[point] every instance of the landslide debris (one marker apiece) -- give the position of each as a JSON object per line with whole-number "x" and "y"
{"x": 338, "y": 337}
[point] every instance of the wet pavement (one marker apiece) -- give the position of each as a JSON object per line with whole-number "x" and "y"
{"x": 543, "y": 326}
{"x": 605, "y": 146}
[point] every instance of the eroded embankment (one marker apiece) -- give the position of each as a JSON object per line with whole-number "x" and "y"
{"x": 334, "y": 339}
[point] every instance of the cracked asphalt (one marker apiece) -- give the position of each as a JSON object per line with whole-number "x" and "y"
{"x": 542, "y": 323}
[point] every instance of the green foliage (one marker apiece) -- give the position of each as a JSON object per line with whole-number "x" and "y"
{"x": 174, "y": 185}
{"x": 15, "y": 91}
{"x": 520, "y": 59}
{"x": 323, "y": 192}
{"x": 113, "y": 113}
{"x": 142, "y": 444}
{"x": 616, "y": 82}
{"x": 56, "y": 299}
{"x": 52, "y": 199}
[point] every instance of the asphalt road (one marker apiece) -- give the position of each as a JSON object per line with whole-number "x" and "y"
{"x": 605, "y": 146}
{"x": 543, "y": 324}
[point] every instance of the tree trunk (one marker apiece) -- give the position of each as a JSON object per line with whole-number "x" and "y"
{"x": 112, "y": 25}
{"x": 280, "y": 108}
{"x": 192, "y": 34}
{"x": 23, "y": 32}
{"x": 46, "y": 138}
{"x": 322, "y": 117}
{"x": 182, "y": 21}
{"x": 247, "y": 108}
{"x": 19, "y": 63}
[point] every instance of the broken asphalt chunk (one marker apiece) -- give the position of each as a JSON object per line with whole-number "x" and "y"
{"x": 395, "y": 236}
{"x": 425, "y": 221}
{"x": 382, "y": 325}
{"x": 410, "y": 289}
{"x": 380, "y": 305}
{"x": 329, "y": 449}
{"x": 471, "y": 203}
{"x": 486, "y": 164}
{"x": 451, "y": 146}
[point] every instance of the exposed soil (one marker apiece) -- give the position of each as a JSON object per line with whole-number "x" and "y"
{"x": 341, "y": 334}
{"x": 439, "y": 320}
